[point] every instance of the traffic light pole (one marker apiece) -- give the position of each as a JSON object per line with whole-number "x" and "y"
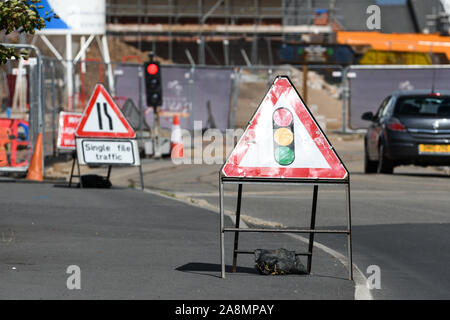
{"x": 157, "y": 153}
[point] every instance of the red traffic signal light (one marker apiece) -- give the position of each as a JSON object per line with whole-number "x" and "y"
{"x": 152, "y": 69}
{"x": 153, "y": 85}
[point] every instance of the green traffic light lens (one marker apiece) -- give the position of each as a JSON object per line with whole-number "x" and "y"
{"x": 284, "y": 155}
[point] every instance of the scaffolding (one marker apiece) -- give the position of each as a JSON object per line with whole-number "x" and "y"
{"x": 206, "y": 21}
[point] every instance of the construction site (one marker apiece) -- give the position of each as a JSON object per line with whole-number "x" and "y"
{"x": 242, "y": 45}
{"x": 225, "y": 150}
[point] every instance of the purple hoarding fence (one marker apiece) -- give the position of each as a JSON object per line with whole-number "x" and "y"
{"x": 194, "y": 93}
{"x": 369, "y": 85}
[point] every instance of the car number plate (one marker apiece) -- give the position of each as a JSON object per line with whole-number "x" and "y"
{"x": 434, "y": 148}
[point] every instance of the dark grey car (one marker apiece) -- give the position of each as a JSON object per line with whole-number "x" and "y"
{"x": 410, "y": 127}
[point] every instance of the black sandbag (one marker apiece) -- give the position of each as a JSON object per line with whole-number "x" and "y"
{"x": 95, "y": 181}
{"x": 278, "y": 262}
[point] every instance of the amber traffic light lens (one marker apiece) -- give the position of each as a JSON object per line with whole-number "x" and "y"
{"x": 283, "y": 136}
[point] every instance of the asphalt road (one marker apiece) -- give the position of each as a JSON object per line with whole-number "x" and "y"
{"x": 134, "y": 245}
{"x": 401, "y": 222}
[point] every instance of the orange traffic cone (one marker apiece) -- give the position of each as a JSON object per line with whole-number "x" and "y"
{"x": 176, "y": 140}
{"x": 35, "y": 168}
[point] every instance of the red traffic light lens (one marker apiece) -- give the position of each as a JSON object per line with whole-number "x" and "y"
{"x": 152, "y": 69}
{"x": 282, "y": 117}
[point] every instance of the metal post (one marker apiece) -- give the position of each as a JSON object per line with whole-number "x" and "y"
{"x": 33, "y": 116}
{"x": 349, "y": 234}
{"x": 153, "y": 45}
{"x": 170, "y": 40}
{"x": 74, "y": 107}
{"x": 190, "y": 97}
{"x": 141, "y": 177}
{"x": 236, "y": 234}
{"x": 201, "y": 50}
{"x": 225, "y": 41}
{"x": 139, "y": 22}
{"x": 74, "y": 156}
{"x": 141, "y": 114}
{"x": 255, "y": 49}
{"x": 313, "y": 226}
{"x": 235, "y": 96}
{"x": 79, "y": 173}
{"x": 69, "y": 72}
{"x": 255, "y": 35}
{"x": 107, "y": 61}
{"x": 201, "y": 40}
{"x": 53, "y": 99}
{"x": 156, "y": 144}
{"x": 109, "y": 172}
{"x": 222, "y": 238}
{"x": 269, "y": 49}
{"x": 226, "y": 57}
{"x": 305, "y": 83}
{"x": 345, "y": 97}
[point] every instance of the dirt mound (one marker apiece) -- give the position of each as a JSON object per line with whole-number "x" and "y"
{"x": 324, "y": 98}
{"x": 119, "y": 50}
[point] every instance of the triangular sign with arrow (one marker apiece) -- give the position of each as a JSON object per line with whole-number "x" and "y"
{"x": 102, "y": 118}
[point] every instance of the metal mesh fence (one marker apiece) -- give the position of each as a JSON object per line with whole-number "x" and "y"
{"x": 21, "y": 110}
{"x": 219, "y": 97}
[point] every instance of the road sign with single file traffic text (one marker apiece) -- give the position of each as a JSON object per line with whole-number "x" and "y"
{"x": 103, "y": 135}
{"x": 108, "y": 152}
{"x": 284, "y": 141}
{"x": 102, "y": 118}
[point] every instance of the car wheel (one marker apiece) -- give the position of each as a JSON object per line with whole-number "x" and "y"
{"x": 385, "y": 165}
{"x": 369, "y": 165}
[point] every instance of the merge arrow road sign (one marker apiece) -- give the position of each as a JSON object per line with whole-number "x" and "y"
{"x": 284, "y": 141}
{"x": 102, "y": 118}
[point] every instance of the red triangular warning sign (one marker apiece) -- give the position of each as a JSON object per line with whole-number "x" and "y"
{"x": 102, "y": 118}
{"x": 283, "y": 140}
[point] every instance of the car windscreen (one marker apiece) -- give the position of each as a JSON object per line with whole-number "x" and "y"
{"x": 423, "y": 106}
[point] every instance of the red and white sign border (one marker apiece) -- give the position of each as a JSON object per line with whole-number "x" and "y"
{"x": 80, "y": 133}
{"x": 283, "y": 85}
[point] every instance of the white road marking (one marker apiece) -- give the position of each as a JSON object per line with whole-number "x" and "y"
{"x": 362, "y": 292}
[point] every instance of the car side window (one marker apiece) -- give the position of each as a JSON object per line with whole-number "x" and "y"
{"x": 383, "y": 108}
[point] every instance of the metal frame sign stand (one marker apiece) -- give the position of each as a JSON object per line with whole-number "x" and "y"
{"x": 104, "y": 137}
{"x": 68, "y": 122}
{"x": 283, "y": 144}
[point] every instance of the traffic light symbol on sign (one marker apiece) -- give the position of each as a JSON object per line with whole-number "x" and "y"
{"x": 283, "y": 136}
{"x": 153, "y": 84}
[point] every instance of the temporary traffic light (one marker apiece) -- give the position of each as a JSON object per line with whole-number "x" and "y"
{"x": 153, "y": 84}
{"x": 283, "y": 136}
